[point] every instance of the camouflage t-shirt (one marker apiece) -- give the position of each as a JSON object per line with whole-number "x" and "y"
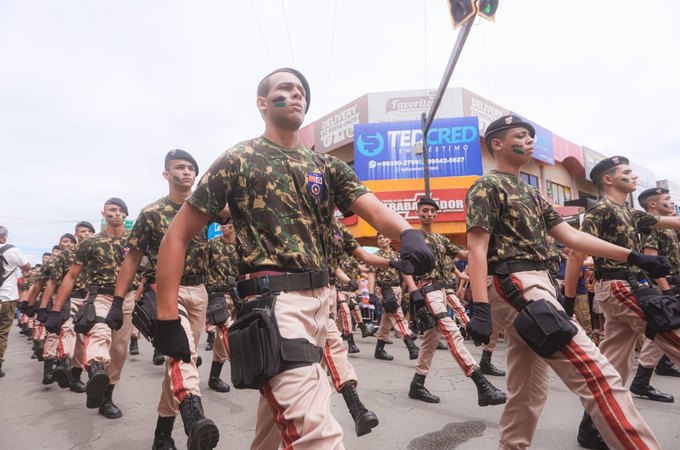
{"x": 350, "y": 266}
{"x": 666, "y": 243}
{"x": 619, "y": 225}
{"x": 63, "y": 264}
{"x": 386, "y": 275}
{"x": 46, "y": 270}
{"x": 101, "y": 255}
{"x": 514, "y": 214}
{"x": 342, "y": 244}
{"x": 281, "y": 202}
{"x": 150, "y": 227}
{"x": 222, "y": 262}
{"x": 441, "y": 247}
{"x": 28, "y": 282}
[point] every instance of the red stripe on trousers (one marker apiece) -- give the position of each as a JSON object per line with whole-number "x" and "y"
{"x": 397, "y": 321}
{"x": 602, "y": 394}
{"x": 626, "y": 297}
{"x": 60, "y": 345}
{"x": 225, "y": 339}
{"x": 671, "y": 337}
{"x": 332, "y": 368}
{"x": 177, "y": 381}
{"x": 87, "y": 341}
{"x": 460, "y": 313}
{"x": 357, "y": 315}
{"x": 288, "y": 432}
{"x": 347, "y": 328}
{"x": 449, "y": 339}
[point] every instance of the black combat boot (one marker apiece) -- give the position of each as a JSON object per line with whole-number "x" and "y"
{"x": 134, "y": 346}
{"x": 418, "y": 390}
{"x": 413, "y": 350}
{"x": 48, "y": 371}
{"x": 215, "y": 382}
{"x": 487, "y": 393}
{"x": 38, "y": 347}
{"x": 351, "y": 346}
{"x": 667, "y": 368}
{"x": 364, "y": 420}
{"x": 588, "y": 436}
{"x": 201, "y": 433}
{"x": 487, "y": 368}
{"x": 108, "y": 409}
{"x": 28, "y": 333}
{"x": 77, "y": 385}
{"x": 640, "y": 386}
{"x": 199, "y": 361}
{"x": 380, "y": 352}
{"x": 158, "y": 358}
{"x": 162, "y": 437}
{"x": 62, "y": 373}
{"x": 96, "y": 385}
{"x": 2, "y": 374}
{"x": 365, "y": 331}
{"x": 210, "y": 343}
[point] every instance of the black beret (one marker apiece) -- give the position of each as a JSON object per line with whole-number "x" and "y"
{"x": 303, "y": 80}
{"x": 71, "y": 237}
{"x": 181, "y": 154}
{"x": 427, "y": 201}
{"x": 118, "y": 202}
{"x": 55, "y": 247}
{"x": 85, "y": 224}
{"x": 606, "y": 164}
{"x": 652, "y": 192}
{"x": 505, "y": 123}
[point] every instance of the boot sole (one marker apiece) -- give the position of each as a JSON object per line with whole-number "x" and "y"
{"x": 493, "y": 374}
{"x": 668, "y": 374}
{"x": 589, "y": 444}
{"x": 117, "y": 415}
{"x": 384, "y": 358}
{"x": 95, "y": 389}
{"x": 499, "y": 401}
{"x": 366, "y": 423}
{"x": 60, "y": 376}
{"x": 204, "y": 435}
{"x": 423, "y": 399}
{"x": 355, "y": 350}
{"x": 412, "y": 357}
{"x": 654, "y": 399}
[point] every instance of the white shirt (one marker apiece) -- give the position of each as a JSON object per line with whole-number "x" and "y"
{"x": 15, "y": 258}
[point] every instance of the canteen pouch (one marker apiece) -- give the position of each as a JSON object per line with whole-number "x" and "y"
{"x": 144, "y": 314}
{"x": 662, "y": 311}
{"x": 217, "y": 312}
{"x": 390, "y": 303}
{"x": 86, "y": 317}
{"x": 543, "y": 327}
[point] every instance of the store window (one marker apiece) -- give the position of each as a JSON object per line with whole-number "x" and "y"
{"x": 531, "y": 180}
{"x": 557, "y": 193}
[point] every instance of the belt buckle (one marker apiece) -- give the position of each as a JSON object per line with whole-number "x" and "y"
{"x": 263, "y": 285}
{"x": 501, "y": 269}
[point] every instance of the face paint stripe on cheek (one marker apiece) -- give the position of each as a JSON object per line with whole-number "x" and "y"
{"x": 517, "y": 149}
{"x": 280, "y": 102}
{"x": 176, "y": 178}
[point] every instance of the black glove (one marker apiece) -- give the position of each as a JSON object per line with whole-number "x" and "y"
{"x": 479, "y": 326}
{"x": 53, "y": 322}
{"x": 41, "y": 315}
{"x": 171, "y": 340}
{"x": 372, "y": 299}
{"x": 22, "y": 305}
{"x": 417, "y": 296}
{"x": 402, "y": 266}
{"x": 568, "y": 305}
{"x": 415, "y": 250}
{"x": 656, "y": 266}
{"x": 114, "y": 319}
{"x": 30, "y": 310}
{"x": 676, "y": 290}
{"x": 353, "y": 285}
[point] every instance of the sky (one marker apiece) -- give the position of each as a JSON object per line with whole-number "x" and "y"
{"x": 94, "y": 94}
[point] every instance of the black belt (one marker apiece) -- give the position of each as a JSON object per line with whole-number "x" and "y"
{"x": 223, "y": 289}
{"x": 673, "y": 280}
{"x": 102, "y": 289}
{"x": 283, "y": 283}
{"x": 79, "y": 293}
{"x": 613, "y": 274}
{"x": 389, "y": 285}
{"x": 191, "y": 280}
{"x": 434, "y": 286}
{"x": 331, "y": 281}
{"x": 517, "y": 265}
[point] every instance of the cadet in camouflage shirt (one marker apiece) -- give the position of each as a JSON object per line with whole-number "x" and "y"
{"x": 657, "y": 201}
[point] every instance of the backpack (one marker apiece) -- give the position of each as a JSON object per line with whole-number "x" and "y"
{"x": 3, "y": 261}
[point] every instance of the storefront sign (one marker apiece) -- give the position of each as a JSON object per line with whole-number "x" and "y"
{"x": 337, "y": 128}
{"x": 451, "y": 203}
{"x": 485, "y": 110}
{"x": 543, "y": 147}
{"x": 384, "y": 151}
{"x": 590, "y": 159}
{"x": 400, "y": 106}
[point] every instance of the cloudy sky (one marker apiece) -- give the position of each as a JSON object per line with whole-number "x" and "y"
{"x": 93, "y": 94}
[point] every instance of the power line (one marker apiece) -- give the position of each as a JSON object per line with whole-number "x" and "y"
{"x": 264, "y": 40}
{"x": 290, "y": 42}
{"x": 330, "y": 62}
{"x": 486, "y": 60}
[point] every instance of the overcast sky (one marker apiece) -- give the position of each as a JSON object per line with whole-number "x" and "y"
{"x": 93, "y": 94}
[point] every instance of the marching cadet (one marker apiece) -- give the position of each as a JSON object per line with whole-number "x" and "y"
{"x": 281, "y": 196}
{"x": 180, "y": 391}
{"x": 507, "y": 227}
{"x": 428, "y": 300}
{"x": 106, "y": 350}
{"x": 346, "y": 275}
{"x": 385, "y": 283}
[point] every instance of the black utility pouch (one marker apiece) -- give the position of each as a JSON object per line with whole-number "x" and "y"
{"x": 217, "y": 312}
{"x": 85, "y": 319}
{"x": 662, "y": 311}
{"x": 255, "y": 344}
{"x": 543, "y": 327}
{"x": 389, "y": 302}
{"x": 144, "y": 314}
{"x": 424, "y": 320}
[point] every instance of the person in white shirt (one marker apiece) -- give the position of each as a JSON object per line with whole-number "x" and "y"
{"x": 13, "y": 260}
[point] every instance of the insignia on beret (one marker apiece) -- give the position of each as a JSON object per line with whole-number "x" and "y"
{"x": 508, "y": 120}
{"x": 615, "y": 160}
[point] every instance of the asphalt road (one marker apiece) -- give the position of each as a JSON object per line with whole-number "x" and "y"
{"x": 33, "y": 416}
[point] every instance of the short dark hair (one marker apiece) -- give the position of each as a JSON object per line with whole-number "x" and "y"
{"x": 500, "y": 134}
{"x": 47, "y": 254}
{"x": 598, "y": 181}
{"x": 644, "y": 202}
{"x": 264, "y": 86}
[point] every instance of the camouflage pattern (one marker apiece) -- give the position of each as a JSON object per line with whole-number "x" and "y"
{"x": 281, "y": 202}
{"x": 515, "y": 215}
{"x": 350, "y": 266}
{"x": 619, "y": 225}
{"x": 46, "y": 270}
{"x": 386, "y": 275}
{"x": 63, "y": 264}
{"x": 28, "y": 282}
{"x": 447, "y": 271}
{"x": 666, "y": 243}
{"x": 222, "y": 262}
{"x": 555, "y": 257}
{"x": 101, "y": 255}
{"x": 441, "y": 248}
{"x": 342, "y": 244}
{"x": 150, "y": 227}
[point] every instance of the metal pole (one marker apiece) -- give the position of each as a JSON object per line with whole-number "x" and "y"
{"x": 427, "y": 119}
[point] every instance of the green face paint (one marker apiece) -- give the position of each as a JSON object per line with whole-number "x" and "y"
{"x": 517, "y": 149}
{"x": 625, "y": 180}
{"x": 666, "y": 205}
{"x": 279, "y": 102}
{"x": 175, "y": 178}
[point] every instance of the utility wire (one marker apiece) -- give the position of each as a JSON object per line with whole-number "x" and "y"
{"x": 259, "y": 27}
{"x": 486, "y": 60}
{"x": 290, "y": 43}
{"x": 330, "y": 61}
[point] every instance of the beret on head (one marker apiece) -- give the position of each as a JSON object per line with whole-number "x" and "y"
{"x": 428, "y": 201}
{"x": 118, "y": 202}
{"x": 651, "y": 192}
{"x": 606, "y": 164}
{"x": 181, "y": 154}
{"x": 85, "y": 224}
{"x": 298, "y": 74}
{"x": 506, "y": 123}
{"x": 71, "y": 237}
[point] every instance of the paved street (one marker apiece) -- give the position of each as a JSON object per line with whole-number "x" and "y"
{"x": 33, "y": 416}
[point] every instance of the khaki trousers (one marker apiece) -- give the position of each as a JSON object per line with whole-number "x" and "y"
{"x": 459, "y": 312}
{"x": 395, "y": 319}
{"x": 650, "y": 354}
{"x": 7, "y": 312}
{"x": 580, "y": 365}
{"x": 582, "y": 313}
{"x": 221, "y": 346}
{"x": 181, "y": 379}
{"x": 436, "y": 304}
{"x": 335, "y": 354}
{"x": 294, "y": 408}
{"x": 73, "y": 343}
{"x": 344, "y": 322}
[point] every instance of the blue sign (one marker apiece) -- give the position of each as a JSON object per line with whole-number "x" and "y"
{"x": 384, "y": 151}
{"x": 543, "y": 147}
{"x": 214, "y": 230}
